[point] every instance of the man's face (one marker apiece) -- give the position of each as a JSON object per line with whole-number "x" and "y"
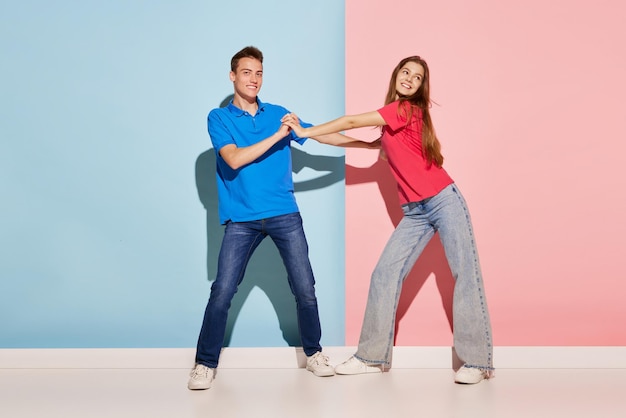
{"x": 248, "y": 78}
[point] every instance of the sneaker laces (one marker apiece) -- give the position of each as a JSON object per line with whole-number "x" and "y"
{"x": 320, "y": 359}
{"x": 355, "y": 361}
{"x": 200, "y": 371}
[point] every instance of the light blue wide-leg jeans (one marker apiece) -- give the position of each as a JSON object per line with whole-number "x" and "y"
{"x": 447, "y": 214}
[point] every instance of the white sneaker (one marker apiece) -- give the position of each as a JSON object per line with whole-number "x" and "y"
{"x": 318, "y": 364}
{"x": 470, "y": 375}
{"x": 201, "y": 377}
{"x": 355, "y": 366}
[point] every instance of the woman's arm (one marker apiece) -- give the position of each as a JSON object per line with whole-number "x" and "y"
{"x": 334, "y": 126}
{"x": 341, "y": 140}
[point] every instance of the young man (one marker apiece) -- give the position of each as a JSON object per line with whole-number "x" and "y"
{"x": 256, "y": 199}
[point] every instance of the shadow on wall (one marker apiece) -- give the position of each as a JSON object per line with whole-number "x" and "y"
{"x": 432, "y": 260}
{"x": 265, "y": 269}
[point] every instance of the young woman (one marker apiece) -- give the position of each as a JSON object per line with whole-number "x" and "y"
{"x": 431, "y": 203}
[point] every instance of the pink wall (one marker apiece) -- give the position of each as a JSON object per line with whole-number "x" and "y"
{"x": 531, "y": 117}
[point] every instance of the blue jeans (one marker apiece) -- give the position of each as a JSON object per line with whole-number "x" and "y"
{"x": 240, "y": 241}
{"x": 447, "y": 214}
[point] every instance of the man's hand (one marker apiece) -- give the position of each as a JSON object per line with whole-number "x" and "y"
{"x": 283, "y": 131}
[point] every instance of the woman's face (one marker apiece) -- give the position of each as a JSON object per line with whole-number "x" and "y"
{"x": 409, "y": 79}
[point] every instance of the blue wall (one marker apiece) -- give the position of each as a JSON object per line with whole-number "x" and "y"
{"x": 107, "y": 233}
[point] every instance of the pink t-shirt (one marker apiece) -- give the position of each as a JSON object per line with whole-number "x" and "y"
{"x": 417, "y": 180}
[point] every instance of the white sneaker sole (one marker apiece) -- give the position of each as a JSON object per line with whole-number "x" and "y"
{"x": 363, "y": 370}
{"x": 320, "y": 373}
{"x": 466, "y": 378}
{"x": 198, "y": 386}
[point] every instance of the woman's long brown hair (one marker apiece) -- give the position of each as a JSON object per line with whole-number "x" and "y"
{"x": 431, "y": 147}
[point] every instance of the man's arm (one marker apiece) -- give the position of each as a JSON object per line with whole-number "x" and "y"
{"x": 237, "y": 157}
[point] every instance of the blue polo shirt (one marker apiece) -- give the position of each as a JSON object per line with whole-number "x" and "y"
{"x": 263, "y": 188}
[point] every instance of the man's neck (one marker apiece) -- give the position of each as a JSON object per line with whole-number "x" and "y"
{"x": 250, "y": 106}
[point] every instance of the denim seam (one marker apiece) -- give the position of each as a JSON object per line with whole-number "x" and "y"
{"x": 481, "y": 290}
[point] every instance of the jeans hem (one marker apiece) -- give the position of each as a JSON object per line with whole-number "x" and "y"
{"x": 373, "y": 362}
{"x": 489, "y": 371}
{"x": 206, "y": 365}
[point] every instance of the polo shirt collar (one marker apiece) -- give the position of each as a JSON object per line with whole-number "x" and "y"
{"x": 239, "y": 112}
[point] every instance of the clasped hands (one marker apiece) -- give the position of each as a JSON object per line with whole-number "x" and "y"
{"x": 293, "y": 122}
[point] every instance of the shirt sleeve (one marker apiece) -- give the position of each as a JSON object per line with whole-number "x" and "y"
{"x": 218, "y": 132}
{"x": 394, "y": 117}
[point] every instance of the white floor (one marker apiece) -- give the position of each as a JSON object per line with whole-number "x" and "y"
{"x": 293, "y": 392}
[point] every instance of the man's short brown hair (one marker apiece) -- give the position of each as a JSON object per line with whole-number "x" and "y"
{"x": 247, "y": 52}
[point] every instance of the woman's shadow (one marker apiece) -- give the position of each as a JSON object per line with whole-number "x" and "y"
{"x": 265, "y": 270}
{"x": 431, "y": 261}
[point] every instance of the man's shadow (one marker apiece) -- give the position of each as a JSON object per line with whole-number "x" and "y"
{"x": 431, "y": 261}
{"x": 265, "y": 270}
